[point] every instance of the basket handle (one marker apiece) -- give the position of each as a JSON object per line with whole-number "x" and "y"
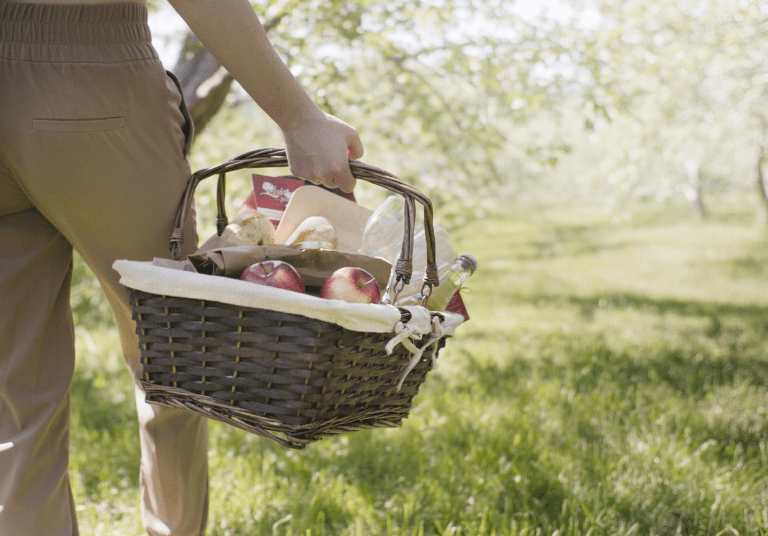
{"x": 267, "y": 158}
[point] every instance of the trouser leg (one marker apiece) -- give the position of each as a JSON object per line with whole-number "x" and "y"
{"x": 37, "y": 355}
{"x": 102, "y": 159}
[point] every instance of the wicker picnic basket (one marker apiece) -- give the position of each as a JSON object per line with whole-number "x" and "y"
{"x": 274, "y": 369}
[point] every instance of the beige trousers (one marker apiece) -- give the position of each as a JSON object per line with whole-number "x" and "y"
{"x": 93, "y": 142}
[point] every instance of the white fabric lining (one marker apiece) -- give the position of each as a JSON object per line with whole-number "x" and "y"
{"x": 373, "y": 318}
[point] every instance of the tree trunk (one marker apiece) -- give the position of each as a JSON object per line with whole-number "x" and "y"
{"x": 762, "y": 192}
{"x": 205, "y": 82}
{"x": 694, "y": 190}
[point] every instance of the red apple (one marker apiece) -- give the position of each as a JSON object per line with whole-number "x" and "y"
{"x": 354, "y": 285}
{"x": 278, "y": 274}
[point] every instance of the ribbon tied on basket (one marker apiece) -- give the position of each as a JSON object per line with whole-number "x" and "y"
{"x": 420, "y": 324}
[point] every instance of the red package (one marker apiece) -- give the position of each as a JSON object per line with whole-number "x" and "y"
{"x": 456, "y": 305}
{"x": 271, "y": 194}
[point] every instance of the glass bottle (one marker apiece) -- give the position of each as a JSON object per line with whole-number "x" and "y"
{"x": 451, "y": 280}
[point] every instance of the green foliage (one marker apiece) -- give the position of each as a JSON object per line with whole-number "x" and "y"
{"x": 683, "y": 82}
{"x": 89, "y": 305}
{"x": 612, "y": 380}
{"x": 478, "y": 100}
{"x": 431, "y": 86}
{"x": 104, "y": 432}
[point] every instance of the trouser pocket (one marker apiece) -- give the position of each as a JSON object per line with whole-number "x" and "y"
{"x": 78, "y": 125}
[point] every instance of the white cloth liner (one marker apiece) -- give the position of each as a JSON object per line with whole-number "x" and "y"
{"x": 373, "y": 318}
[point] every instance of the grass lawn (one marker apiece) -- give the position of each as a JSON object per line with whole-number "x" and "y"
{"x": 613, "y": 379}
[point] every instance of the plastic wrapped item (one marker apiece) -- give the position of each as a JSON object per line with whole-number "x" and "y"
{"x": 383, "y": 233}
{"x": 250, "y": 228}
{"x": 313, "y": 232}
{"x": 383, "y": 237}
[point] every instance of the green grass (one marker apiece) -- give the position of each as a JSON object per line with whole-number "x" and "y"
{"x": 613, "y": 379}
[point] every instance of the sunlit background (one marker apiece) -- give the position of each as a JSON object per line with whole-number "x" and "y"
{"x": 604, "y": 161}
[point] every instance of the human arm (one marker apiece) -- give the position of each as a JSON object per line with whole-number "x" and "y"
{"x": 317, "y": 144}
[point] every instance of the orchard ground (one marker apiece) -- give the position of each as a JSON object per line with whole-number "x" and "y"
{"x": 613, "y": 379}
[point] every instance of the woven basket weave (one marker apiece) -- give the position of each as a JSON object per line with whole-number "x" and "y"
{"x": 289, "y": 377}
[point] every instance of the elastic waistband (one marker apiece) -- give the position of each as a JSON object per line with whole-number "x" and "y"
{"x": 75, "y": 33}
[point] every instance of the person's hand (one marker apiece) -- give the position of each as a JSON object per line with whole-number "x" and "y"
{"x": 318, "y": 149}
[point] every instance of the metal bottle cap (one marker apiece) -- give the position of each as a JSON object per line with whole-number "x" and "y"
{"x": 467, "y": 262}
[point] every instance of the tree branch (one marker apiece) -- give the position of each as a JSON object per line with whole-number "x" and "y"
{"x": 204, "y": 81}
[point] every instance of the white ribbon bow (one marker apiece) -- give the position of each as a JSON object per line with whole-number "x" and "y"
{"x": 420, "y": 324}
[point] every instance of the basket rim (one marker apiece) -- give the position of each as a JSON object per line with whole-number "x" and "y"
{"x": 374, "y": 318}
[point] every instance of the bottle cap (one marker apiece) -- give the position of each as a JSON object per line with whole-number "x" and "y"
{"x": 467, "y": 261}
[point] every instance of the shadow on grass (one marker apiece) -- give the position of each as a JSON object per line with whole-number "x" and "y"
{"x": 459, "y": 464}
{"x": 560, "y": 240}
{"x": 754, "y": 315}
{"x": 593, "y": 396}
{"x": 588, "y": 367}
